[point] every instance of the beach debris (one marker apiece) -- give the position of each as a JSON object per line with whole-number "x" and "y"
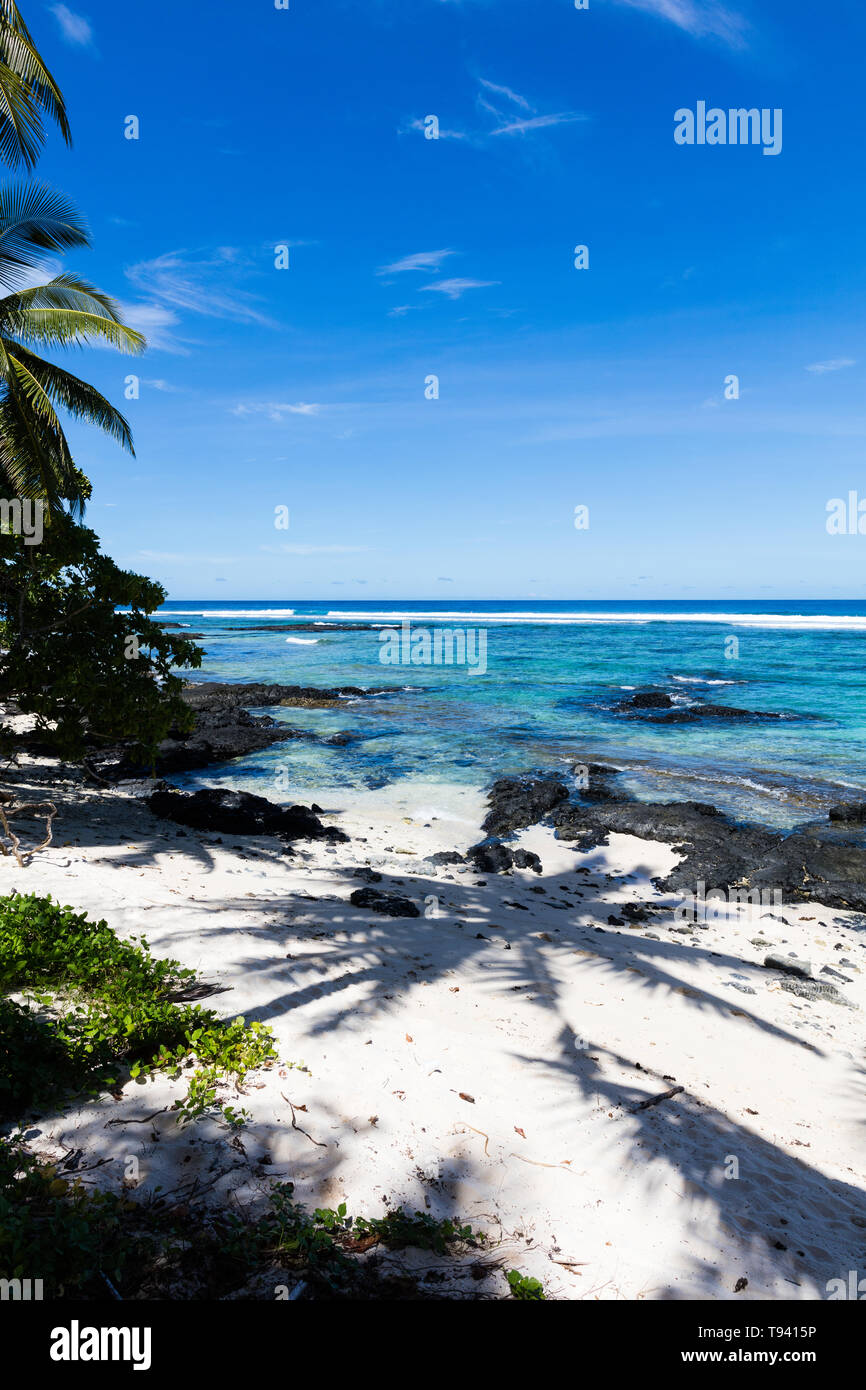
{"x": 296, "y": 1126}
{"x": 464, "y": 1096}
{"x": 386, "y": 904}
{"x": 656, "y": 1100}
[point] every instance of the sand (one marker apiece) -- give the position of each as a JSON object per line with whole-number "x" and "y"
{"x": 493, "y": 1058}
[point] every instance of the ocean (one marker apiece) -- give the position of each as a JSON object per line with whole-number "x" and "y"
{"x": 548, "y": 696}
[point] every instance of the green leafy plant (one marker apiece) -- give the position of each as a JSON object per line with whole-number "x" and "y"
{"x": 524, "y": 1287}
{"x": 101, "y": 1005}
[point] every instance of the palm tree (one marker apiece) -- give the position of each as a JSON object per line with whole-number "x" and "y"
{"x": 27, "y": 91}
{"x": 64, "y": 312}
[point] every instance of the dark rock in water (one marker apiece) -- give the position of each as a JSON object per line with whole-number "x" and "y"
{"x": 790, "y": 965}
{"x": 220, "y": 735}
{"x": 688, "y": 714}
{"x": 516, "y": 802}
{"x": 445, "y": 856}
{"x": 215, "y": 695}
{"x": 387, "y": 904}
{"x": 649, "y": 699}
{"x": 240, "y": 813}
{"x": 854, "y": 811}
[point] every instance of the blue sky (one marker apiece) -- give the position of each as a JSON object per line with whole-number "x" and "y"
{"x": 305, "y": 388}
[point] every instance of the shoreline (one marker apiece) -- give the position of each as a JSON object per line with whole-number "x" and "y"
{"x": 563, "y": 1028}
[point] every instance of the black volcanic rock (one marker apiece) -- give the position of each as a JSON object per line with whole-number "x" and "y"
{"x": 491, "y": 856}
{"x": 445, "y": 856}
{"x": 516, "y": 802}
{"x": 386, "y": 904}
{"x": 853, "y": 811}
{"x": 217, "y": 695}
{"x": 649, "y": 699}
{"x": 673, "y": 713}
{"x": 241, "y": 813}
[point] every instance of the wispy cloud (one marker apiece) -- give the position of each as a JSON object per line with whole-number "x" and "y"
{"x": 422, "y": 260}
{"x": 197, "y": 282}
{"x": 158, "y": 324}
{"x": 539, "y": 123}
{"x": 701, "y": 18}
{"x": 511, "y": 113}
{"x": 74, "y": 27}
{"x": 514, "y": 97}
{"x": 835, "y": 364}
{"x": 275, "y": 410}
{"x": 455, "y": 289}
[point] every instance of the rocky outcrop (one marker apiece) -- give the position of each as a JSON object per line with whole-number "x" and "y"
{"x": 240, "y": 813}
{"x": 650, "y": 702}
{"x": 216, "y": 695}
{"x": 516, "y": 802}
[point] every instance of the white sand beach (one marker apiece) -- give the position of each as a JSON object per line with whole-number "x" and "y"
{"x": 500, "y": 1059}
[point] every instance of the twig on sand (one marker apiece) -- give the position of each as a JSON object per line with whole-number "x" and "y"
{"x": 535, "y": 1163}
{"x": 484, "y": 1136}
{"x": 655, "y": 1100}
{"x": 145, "y": 1121}
{"x": 296, "y": 1126}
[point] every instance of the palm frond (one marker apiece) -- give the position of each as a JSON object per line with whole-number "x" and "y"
{"x": 64, "y": 312}
{"x": 34, "y": 219}
{"x": 81, "y": 400}
{"x": 27, "y": 90}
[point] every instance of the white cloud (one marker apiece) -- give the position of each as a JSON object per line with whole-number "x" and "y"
{"x": 198, "y": 283}
{"x": 422, "y": 260}
{"x": 835, "y": 364}
{"x": 700, "y": 18}
{"x": 456, "y": 288}
{"x": 539, "y": 123}
{"x": 157, "y": 324}
{"x": 275, "y": 410}
{"x": 74, "y": 27}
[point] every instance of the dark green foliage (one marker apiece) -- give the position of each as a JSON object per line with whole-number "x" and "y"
{"x": 91, "y": 675}
{"x": 116, "y": 1012}
{"x": 52, "y": 1227}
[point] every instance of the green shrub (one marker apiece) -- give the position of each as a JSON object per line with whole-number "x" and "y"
{"x": 107, "y": 1005}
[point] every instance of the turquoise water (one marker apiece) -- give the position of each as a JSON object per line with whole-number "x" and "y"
{"x": 555, "y": 672}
